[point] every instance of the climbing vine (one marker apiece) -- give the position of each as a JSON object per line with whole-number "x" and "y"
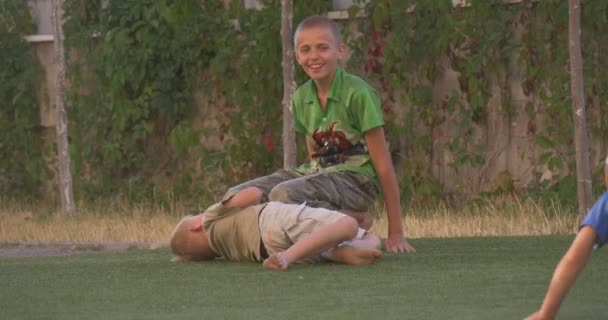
{"x": 22, "y": 168}
{"x": 410, "y": 39}
{"x": 182, "y": 98}
{"x": 138, "y": 68}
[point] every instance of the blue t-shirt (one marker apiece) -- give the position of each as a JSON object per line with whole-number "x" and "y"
{"x": 597, "y": 218}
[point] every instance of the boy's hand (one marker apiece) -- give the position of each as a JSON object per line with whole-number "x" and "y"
{"x": 398, "y": 244}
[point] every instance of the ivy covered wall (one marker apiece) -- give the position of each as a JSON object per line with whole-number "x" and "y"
{"x": 183, "y": 98}
{"x": 481, "y": 94}
{"x": 22, "y": 166}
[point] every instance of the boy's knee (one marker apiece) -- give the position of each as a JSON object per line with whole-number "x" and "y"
{"x": 256, "y": 193}
{"x": 364, "y": 218}
{"x": 280, "y": 193}
{"x": 351, "y": 227}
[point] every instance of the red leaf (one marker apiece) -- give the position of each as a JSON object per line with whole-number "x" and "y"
{"x": 268, "y": 143}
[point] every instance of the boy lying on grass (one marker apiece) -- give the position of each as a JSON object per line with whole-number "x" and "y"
{"x": 593, "y": 232}
{"x": 241, "y": 229}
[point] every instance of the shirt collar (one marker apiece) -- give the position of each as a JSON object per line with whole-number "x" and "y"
{"x": 336, "y": 85}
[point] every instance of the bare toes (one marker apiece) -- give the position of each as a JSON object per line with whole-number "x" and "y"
{"x": 276, "y": 262}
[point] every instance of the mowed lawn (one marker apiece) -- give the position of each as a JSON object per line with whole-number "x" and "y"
{"x": 465, "y": 278}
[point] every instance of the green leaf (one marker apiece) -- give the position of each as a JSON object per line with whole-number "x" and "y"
{"x": 545, "y": 142}
{"x": 545, "y": 157}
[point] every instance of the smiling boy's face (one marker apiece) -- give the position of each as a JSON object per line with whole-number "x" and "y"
{"x": 318, "y": 51}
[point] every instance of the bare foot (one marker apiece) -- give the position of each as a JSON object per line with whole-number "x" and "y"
{"x": 276, "y": 262}
{"x": 355, "y": 256}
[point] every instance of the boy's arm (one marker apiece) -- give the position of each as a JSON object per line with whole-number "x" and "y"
{"x": 310, "y": 147}
{"x": 247, "y": 197}
{"x": 378, "y": 150}
{"x": 566, "y": 272}
{"x": 319, "y": 240}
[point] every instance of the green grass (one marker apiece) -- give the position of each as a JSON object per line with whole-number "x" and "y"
{"x": 466, "y": 278}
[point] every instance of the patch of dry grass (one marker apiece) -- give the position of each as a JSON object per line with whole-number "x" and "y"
{"x": 125, "y": 224}
{"x": 20, "y": 222}
{"x": 515, "y": 218}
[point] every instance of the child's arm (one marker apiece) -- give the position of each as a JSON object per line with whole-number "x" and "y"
{"x": 247, "y": 197}
{"x": 566, "y": 272}
{"x": 320, "y": 240}
{"x": 378, "y": 150}
{"x": 310, "y": 147}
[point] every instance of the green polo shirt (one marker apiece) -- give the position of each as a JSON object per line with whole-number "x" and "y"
{"x": 353, "y": 107}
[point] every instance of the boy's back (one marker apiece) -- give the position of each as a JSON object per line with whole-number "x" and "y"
{"x": 234, "y": 233}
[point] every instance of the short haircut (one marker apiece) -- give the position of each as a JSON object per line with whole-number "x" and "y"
{"x": 319, "y": 22}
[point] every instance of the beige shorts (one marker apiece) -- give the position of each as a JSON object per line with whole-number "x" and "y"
{"x": 282, "y": 225}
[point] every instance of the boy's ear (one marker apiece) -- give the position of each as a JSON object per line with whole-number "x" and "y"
{"x": 296, "y": 55}
{"x": 341, "y": 51}
{"x": 197, "y": 225}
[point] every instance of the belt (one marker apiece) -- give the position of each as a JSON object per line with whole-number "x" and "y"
{"x": 263, "y": 252}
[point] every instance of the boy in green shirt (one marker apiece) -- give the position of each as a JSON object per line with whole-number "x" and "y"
{"x": 341, "y": 118}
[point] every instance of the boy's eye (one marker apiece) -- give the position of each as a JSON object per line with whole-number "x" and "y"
{"x": 304, "y": 49}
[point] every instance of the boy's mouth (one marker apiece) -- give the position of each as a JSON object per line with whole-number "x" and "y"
{"x": 315, "y": 67}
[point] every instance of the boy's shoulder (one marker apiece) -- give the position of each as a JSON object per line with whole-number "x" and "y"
{"x": 352, "y": 81}
{"x": 344, "y": 83}
{"x": 304, "y": 90}
{"x": 354, "y": 87}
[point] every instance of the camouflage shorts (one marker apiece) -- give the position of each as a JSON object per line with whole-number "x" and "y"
{"x": 330, "y": 190}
